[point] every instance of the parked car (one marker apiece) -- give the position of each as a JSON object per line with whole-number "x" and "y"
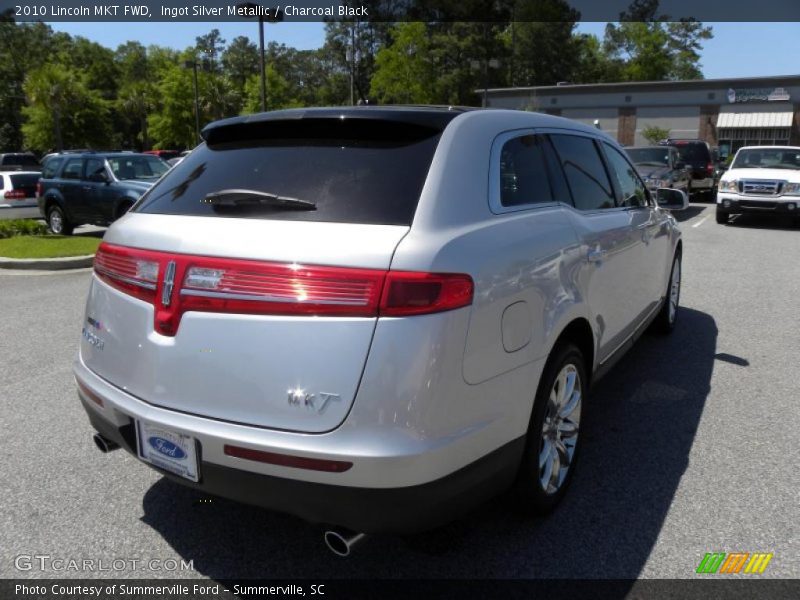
{"x": 375, "y": 317}
{"x": 761, "y": 179}
{"x": 94, "y": 188}
{"x": 163, "y": 154}
{"x": 697, "y": 155}
{"x": 21, "y": 160}
{"x": 18, "y": 194}
{"x": 661, "y": 167}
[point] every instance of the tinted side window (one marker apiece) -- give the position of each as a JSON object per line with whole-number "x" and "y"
{"x": 51, "y": 167}
{"x": 523, "y": 173}
{"x": 586, "y": 174}
{"x": 72, "y": 170}
{"x": 631, "y": 188}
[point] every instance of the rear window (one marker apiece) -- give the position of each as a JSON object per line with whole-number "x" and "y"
{"x": 355, "y": 171}
{"x": 693, "y": 152}
{"x": 25, "y": 160}
{"x": 24, "y": 181}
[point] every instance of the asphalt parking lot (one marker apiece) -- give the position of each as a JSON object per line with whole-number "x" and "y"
{"x": 691, "y": 447}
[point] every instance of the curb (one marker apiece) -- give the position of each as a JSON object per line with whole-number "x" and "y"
{"x": 48, "y": 264}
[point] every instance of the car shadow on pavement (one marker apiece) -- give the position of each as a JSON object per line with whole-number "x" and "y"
{"x": 691, "y": 211}
{"x": 751, "y": 221}
{"x": 639, "y": 430}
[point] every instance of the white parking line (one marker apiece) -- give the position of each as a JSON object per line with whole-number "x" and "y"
{"x": 700, "y": 222}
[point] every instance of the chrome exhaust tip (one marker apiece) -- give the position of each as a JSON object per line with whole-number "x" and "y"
{"x": 341, "y": 542}
{"x": 104, "y": 444}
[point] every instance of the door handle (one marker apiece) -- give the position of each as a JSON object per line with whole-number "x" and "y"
{"x": 596, "y": 255}
{"x": 87, "y": 188}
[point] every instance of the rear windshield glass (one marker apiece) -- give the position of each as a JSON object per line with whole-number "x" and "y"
{"x": 649, "y": 156}
{"x": 693, "y": 153}
{"x": 25, "y": 160}
{"x": 19, "y": 181}
{"x": 363, "y": 171}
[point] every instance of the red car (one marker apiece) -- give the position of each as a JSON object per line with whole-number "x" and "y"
{"x": 163, "y": 154}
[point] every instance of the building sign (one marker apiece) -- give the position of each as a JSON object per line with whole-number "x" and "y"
{"x": 758, "y": 95}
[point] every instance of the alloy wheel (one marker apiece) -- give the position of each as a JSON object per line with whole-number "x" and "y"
{"x": 560, "y": 429}
{"x": 674, "y": 290}
{"x": 56, "y": 222}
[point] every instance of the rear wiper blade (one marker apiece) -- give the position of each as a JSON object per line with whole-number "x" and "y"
{"x": 256, "y": 198}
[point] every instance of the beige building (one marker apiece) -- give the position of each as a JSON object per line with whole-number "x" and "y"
{"x": 728, "y": 113}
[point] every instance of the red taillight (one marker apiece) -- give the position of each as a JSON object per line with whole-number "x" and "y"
{"x": 15, "y": 195}
{"x": 127, "y": 270}
{"x": 221, "y": 285}
{"x": 287, "y": 460}
{"x": 209, "y": 284}
{"x": 408, "y": 293}
{"x": 710, "y": 169}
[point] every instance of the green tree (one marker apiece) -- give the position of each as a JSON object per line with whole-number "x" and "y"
{"x": 352, "y": 48}
{"x": 210, "y": 47}
{"x": 593, "y": 64}
{"x": 240, "y": 61}
{"x": 22, "y": 47}
{"x": 654, "y": 134}
{"x": 63, "y": 111}
{"x": 172, "y": 123}
{"x": 136, "y": 100}
{"x": 467, "y": 57}
{"x": 404, "y": 72}
{"x": 543, "y": 49}
{"x": 652, "y": 48}
{"x": 278, "y": 92}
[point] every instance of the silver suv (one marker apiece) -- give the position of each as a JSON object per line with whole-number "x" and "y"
{"x": 375, "y": 317}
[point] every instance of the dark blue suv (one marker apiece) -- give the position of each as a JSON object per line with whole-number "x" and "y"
{"x": 94, "y": 188}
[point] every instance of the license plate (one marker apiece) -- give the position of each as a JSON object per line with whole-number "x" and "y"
{"x": 172, "y": 451}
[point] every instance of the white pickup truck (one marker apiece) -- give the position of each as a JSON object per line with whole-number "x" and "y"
{"x": 763, "y": 180}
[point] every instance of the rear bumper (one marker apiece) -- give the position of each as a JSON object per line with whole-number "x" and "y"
{"x": 702, "y": 183}
{"x": 734, "y": 203}
{"x": 400, "y": 510}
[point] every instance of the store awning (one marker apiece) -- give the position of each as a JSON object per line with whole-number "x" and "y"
{"x": 754, "y": 120}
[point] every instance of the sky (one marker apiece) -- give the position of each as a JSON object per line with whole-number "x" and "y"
{"x": 737, "y": 49}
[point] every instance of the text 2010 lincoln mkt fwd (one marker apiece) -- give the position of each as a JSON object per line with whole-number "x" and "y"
{"x": 375, "y": 317}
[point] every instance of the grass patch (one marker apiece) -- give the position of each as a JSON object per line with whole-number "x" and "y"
{"x": 49, "y": 246}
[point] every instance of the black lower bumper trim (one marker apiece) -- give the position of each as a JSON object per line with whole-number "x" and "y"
{"x": 369, "y": 510}
{"x": 757, "y": 207}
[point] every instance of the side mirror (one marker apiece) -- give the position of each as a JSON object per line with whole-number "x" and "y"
{"x": 671, "y": 199}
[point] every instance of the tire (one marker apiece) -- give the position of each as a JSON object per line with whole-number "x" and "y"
{"x": 57, "y": 221}
{"x": 668, "y": 314}
{"x": 122, "y": 209}
{"x": 545, "y": 436}
{"x": 722, "y": 217}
